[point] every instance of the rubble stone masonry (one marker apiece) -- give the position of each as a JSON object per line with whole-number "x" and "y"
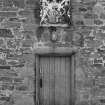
{"x": 20, "y": 34}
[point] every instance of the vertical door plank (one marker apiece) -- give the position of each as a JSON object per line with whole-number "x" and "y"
{"x": 68, "y": 69}
{"x": 57, "y": 79}
{"x": 37, "y": 79}
{"x": 73, "y": 79}
{"x": 52, "y": 81}
{"x": 62, "y": 81}
{"x": 48, "y": 65}
{"x": 41, "y": 80}
{"x": 46, "y": 80}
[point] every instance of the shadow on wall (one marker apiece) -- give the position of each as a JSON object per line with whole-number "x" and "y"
{"x": 37, "y": 12}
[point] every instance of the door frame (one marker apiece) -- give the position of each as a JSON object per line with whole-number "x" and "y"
{"x": 60, "y": 51}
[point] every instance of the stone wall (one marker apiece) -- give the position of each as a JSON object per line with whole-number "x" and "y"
{"x": 20, "y": 34}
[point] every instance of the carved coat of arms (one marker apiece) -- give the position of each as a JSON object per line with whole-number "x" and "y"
{"x": 55, "y": 12}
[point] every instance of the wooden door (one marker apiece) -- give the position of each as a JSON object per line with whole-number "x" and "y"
{"x": 55, "y": 80}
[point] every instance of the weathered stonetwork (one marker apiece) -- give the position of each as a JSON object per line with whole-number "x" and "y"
{"x": 21, "y": 32}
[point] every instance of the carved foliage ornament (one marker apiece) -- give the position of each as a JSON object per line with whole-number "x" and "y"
{"x": 55, "y": 12}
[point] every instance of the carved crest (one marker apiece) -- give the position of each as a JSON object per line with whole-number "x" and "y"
{"x": 55, "y": 13}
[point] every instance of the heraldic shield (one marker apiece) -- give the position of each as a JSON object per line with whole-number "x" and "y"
{"x": 55, "y": 13}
